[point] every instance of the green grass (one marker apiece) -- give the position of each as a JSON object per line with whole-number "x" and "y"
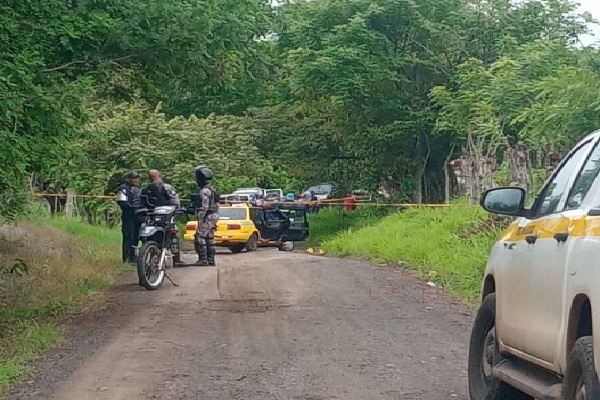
{"x": 66, "y": 262}
{"x": 329, "y": 222}
{"x": 82, "y": 230}
{"x": 28, "y": 342}
{"x": 448, "y": 246}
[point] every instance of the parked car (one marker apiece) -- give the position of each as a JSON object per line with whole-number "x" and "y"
{"x": 323, "y": 191}
{"x": 537, "y": 331}
{"x": 256, "y": 192}
{"x": 242, "y": 226}
{"x": 237, "y": 197}
{"x": 274, "y": 195}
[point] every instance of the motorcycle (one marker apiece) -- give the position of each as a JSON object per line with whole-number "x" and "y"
{"x": 159, "y": 236}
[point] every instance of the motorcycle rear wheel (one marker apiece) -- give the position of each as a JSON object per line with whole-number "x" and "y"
{"x": 150, "y": 274}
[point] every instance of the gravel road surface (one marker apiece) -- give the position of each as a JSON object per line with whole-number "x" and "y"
{"x": 261, "y": 326}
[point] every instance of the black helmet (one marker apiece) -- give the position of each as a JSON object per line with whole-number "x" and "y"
{"x": 203, "y": 175}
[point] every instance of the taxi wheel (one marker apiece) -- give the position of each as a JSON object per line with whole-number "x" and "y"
{"x": 237, "y": 249}
{"x": 252, "y": 243}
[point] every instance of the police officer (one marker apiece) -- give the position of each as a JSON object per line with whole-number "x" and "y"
{"x": 157, "y": 193}
{"x": 207, "y": 212}
{"x": 128, "y": 198}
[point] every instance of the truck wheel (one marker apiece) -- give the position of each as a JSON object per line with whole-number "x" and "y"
{"x": 484, "y": 354}
{"x": 581, "y": 380}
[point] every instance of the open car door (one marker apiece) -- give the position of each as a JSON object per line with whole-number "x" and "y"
{"x": 296, "y": 228}
{"x": 281, "y": 223}
{"x": 270, "y": 223}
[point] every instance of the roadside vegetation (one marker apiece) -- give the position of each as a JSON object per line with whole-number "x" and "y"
{"x": 49, "y": 268}
{"x": 448, "y": 246}
{"x": 329, "y": 222}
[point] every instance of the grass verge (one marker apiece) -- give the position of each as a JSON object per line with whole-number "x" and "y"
{"x": 448, "y": 246}
{"x": 331, "y": 221}
{"x": 49, "y": 268}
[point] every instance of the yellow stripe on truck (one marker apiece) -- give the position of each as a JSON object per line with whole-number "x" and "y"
{"x": 548, "y": 227}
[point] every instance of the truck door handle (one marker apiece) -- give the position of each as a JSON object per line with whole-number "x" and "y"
{"x": 509, "y": 246}
{"x": 531, "y": 239}
{"x": 561, "y": 237}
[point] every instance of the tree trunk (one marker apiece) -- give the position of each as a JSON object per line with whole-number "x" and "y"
{"x": 475, "y": 169}
{"x": 56, "y": 203}
{"x": 447, "y": 193}
{"x": 417, "y": 198}
{"x": 517, "y": 160}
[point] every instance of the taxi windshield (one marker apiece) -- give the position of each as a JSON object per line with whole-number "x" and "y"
{"x": 230, "y": 213}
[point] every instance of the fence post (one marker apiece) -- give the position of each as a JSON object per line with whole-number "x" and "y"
{"x": 70, "y": 203}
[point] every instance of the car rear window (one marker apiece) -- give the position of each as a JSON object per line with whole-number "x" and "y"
{"x": 232, "y": 213}
{"x": 321, "y": 189}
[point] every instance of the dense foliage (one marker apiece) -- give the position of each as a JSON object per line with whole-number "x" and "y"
{"x": 358, "y": 92}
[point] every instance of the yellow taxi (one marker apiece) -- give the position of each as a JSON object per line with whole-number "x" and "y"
{"x": 235, "y": 229}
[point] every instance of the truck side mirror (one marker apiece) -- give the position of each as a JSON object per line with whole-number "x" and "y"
{"x": 509, "y": 200}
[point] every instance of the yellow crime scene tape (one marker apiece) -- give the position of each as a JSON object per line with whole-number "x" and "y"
{"x": 81, "y": 196}
{"x": 327, "y": 202}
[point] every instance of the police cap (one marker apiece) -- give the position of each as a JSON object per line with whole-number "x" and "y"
{"x": 132, "y": 175}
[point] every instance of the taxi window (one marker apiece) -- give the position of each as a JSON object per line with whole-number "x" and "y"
{"x": 584, "y": 181}
{"x": 555, "y": 190}
{"x": 274, "y": 215}
{"x": 296, "y": 215}
{"x": 232, "y": 213}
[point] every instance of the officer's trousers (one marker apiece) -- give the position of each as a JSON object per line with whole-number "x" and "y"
{"x": 131, "y": 232}
{"x": 205, "y": 239}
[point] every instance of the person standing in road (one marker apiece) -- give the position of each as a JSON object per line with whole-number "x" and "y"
{"x": 207, "y": 212}
{"x": 128, "y": 198}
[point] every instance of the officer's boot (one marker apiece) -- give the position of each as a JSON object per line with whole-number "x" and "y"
{"x": 202, "y": 256}
{"x": 211, "y": 255}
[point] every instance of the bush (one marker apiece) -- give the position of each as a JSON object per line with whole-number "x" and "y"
{"x": 51, "y": 266}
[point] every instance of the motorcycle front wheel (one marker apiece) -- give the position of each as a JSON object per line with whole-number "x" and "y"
{"x": 151, "y": 272}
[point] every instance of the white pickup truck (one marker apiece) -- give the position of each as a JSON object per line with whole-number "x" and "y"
{"x": 537, "y": 332}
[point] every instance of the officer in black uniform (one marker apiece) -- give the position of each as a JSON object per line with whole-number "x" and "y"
{"x": 128, "y": 198}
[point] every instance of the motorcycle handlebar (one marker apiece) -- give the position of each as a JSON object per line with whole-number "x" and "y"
{"x": 177, "y": 211}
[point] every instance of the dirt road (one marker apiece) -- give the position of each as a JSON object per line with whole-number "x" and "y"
{"x": 268, "y": 325}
